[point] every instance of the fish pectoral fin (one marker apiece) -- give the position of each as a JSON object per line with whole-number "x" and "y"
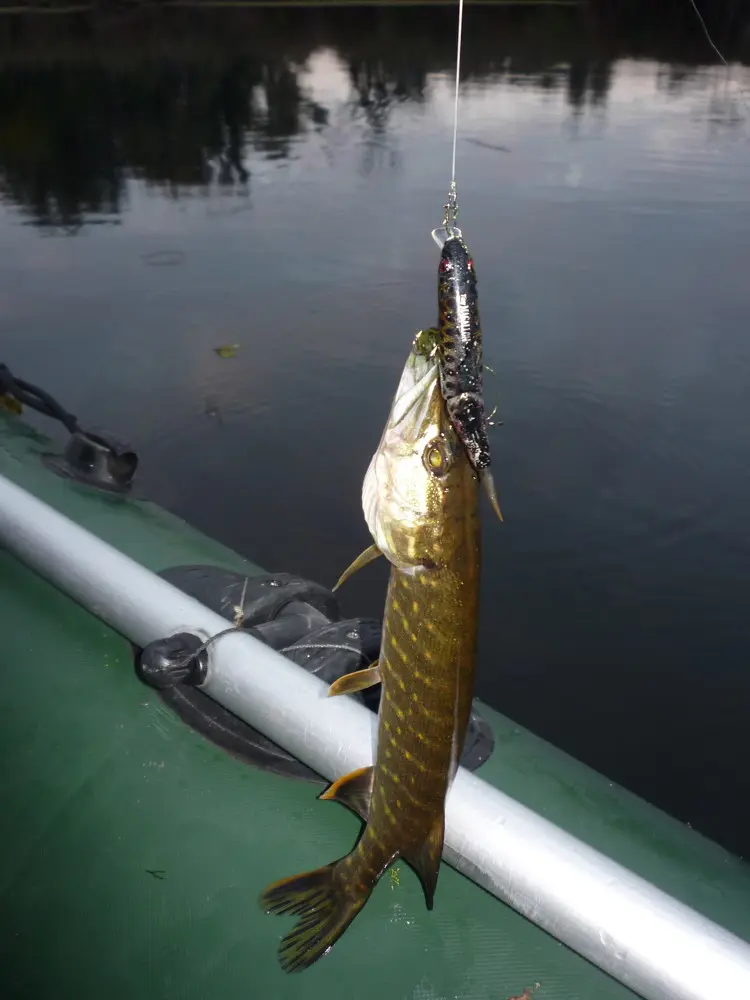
{"x": 362, "y": 559}
{"x": 425, "y": 860}
{"x": 357, "y": 680}
{"x": 353, "y": 790}
{"x": 485, "y": 477}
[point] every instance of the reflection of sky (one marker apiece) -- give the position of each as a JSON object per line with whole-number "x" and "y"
{"x": 646, "y": 182}
{"x": 611, "y": 247}
{"x": 650, "y": 167}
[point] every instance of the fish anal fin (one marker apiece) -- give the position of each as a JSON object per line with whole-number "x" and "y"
{"x": 425, "y": 859}
{"x": 325, "y": 906}
{"x": 358, "y": 680}
{"x": 353, "y": 791}
{"x": 362, "y": 559}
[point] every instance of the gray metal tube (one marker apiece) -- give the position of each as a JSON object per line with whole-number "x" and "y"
{"x": 617, "y": 920}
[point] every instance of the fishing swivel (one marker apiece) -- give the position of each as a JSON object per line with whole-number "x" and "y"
{"x": 450, "y": 209}
{"x": 449, "y": 229}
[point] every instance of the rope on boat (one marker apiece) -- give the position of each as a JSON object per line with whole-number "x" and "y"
{"x": 36, "y": 399}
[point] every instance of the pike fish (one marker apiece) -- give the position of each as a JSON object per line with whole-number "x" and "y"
{"x": 457, "y": 342}
{"x": 420, "y": 498}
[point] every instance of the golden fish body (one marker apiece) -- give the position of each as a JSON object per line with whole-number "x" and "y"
{"x": 420, "y": 499}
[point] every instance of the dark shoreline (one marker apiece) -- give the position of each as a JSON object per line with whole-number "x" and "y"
{"x": 176, "y": 97}
{"x": 602, "y": 30}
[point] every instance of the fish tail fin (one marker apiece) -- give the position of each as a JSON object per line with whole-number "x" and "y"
{"x": 325, "y": 905}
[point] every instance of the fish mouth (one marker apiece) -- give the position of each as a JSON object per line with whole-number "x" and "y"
{"x": 391, "y": 503}
{"x": 413, "y": 396}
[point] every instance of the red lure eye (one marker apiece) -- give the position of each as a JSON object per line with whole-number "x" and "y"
{"x": 445, "y": 266}
{"x": 471, "y": 264}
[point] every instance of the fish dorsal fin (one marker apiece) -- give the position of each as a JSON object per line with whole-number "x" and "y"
{"x": 358, "y": 680}
{"x": 353, "y": 791}
{"x": 425, "y": 859}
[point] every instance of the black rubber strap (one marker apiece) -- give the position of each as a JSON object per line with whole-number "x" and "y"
{"x": 300, "y": 619}
{"x": 35, "y": 398}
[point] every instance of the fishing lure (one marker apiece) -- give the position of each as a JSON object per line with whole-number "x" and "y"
{"x": 457, "y": 342}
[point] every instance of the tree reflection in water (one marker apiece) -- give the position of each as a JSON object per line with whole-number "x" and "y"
{"x": 183, "y": 100}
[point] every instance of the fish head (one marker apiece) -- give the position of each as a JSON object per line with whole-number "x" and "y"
{"x": 420, "y": 483}
{"x": 456, "y": 271}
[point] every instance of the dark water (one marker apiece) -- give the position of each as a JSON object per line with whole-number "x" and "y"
{"x": 270, "y": 179}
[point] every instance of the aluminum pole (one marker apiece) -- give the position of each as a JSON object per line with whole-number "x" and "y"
{"x": 641, "y": 936}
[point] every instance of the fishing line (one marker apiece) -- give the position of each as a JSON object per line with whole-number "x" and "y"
{"x": 452, "y": 197}
{"x": 707, "y": 33}
{"x": 450, "y": 209}
{"x": 741, "y": 90}
{"x": 320, "y": 645}
{"x": 187, "y": 660}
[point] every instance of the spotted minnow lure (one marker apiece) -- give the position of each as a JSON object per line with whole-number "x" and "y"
{"x": 420, "y": 498}
{"x": 457, "y": 341}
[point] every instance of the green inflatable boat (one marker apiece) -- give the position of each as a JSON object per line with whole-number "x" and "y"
{"x": 152, "y": 785}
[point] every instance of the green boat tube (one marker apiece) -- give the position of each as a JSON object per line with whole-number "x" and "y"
{"x": 135, "y": 842}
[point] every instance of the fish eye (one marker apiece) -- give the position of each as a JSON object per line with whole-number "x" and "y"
{"x": 445, "y": 265}
{"x": 436, "y": 458}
